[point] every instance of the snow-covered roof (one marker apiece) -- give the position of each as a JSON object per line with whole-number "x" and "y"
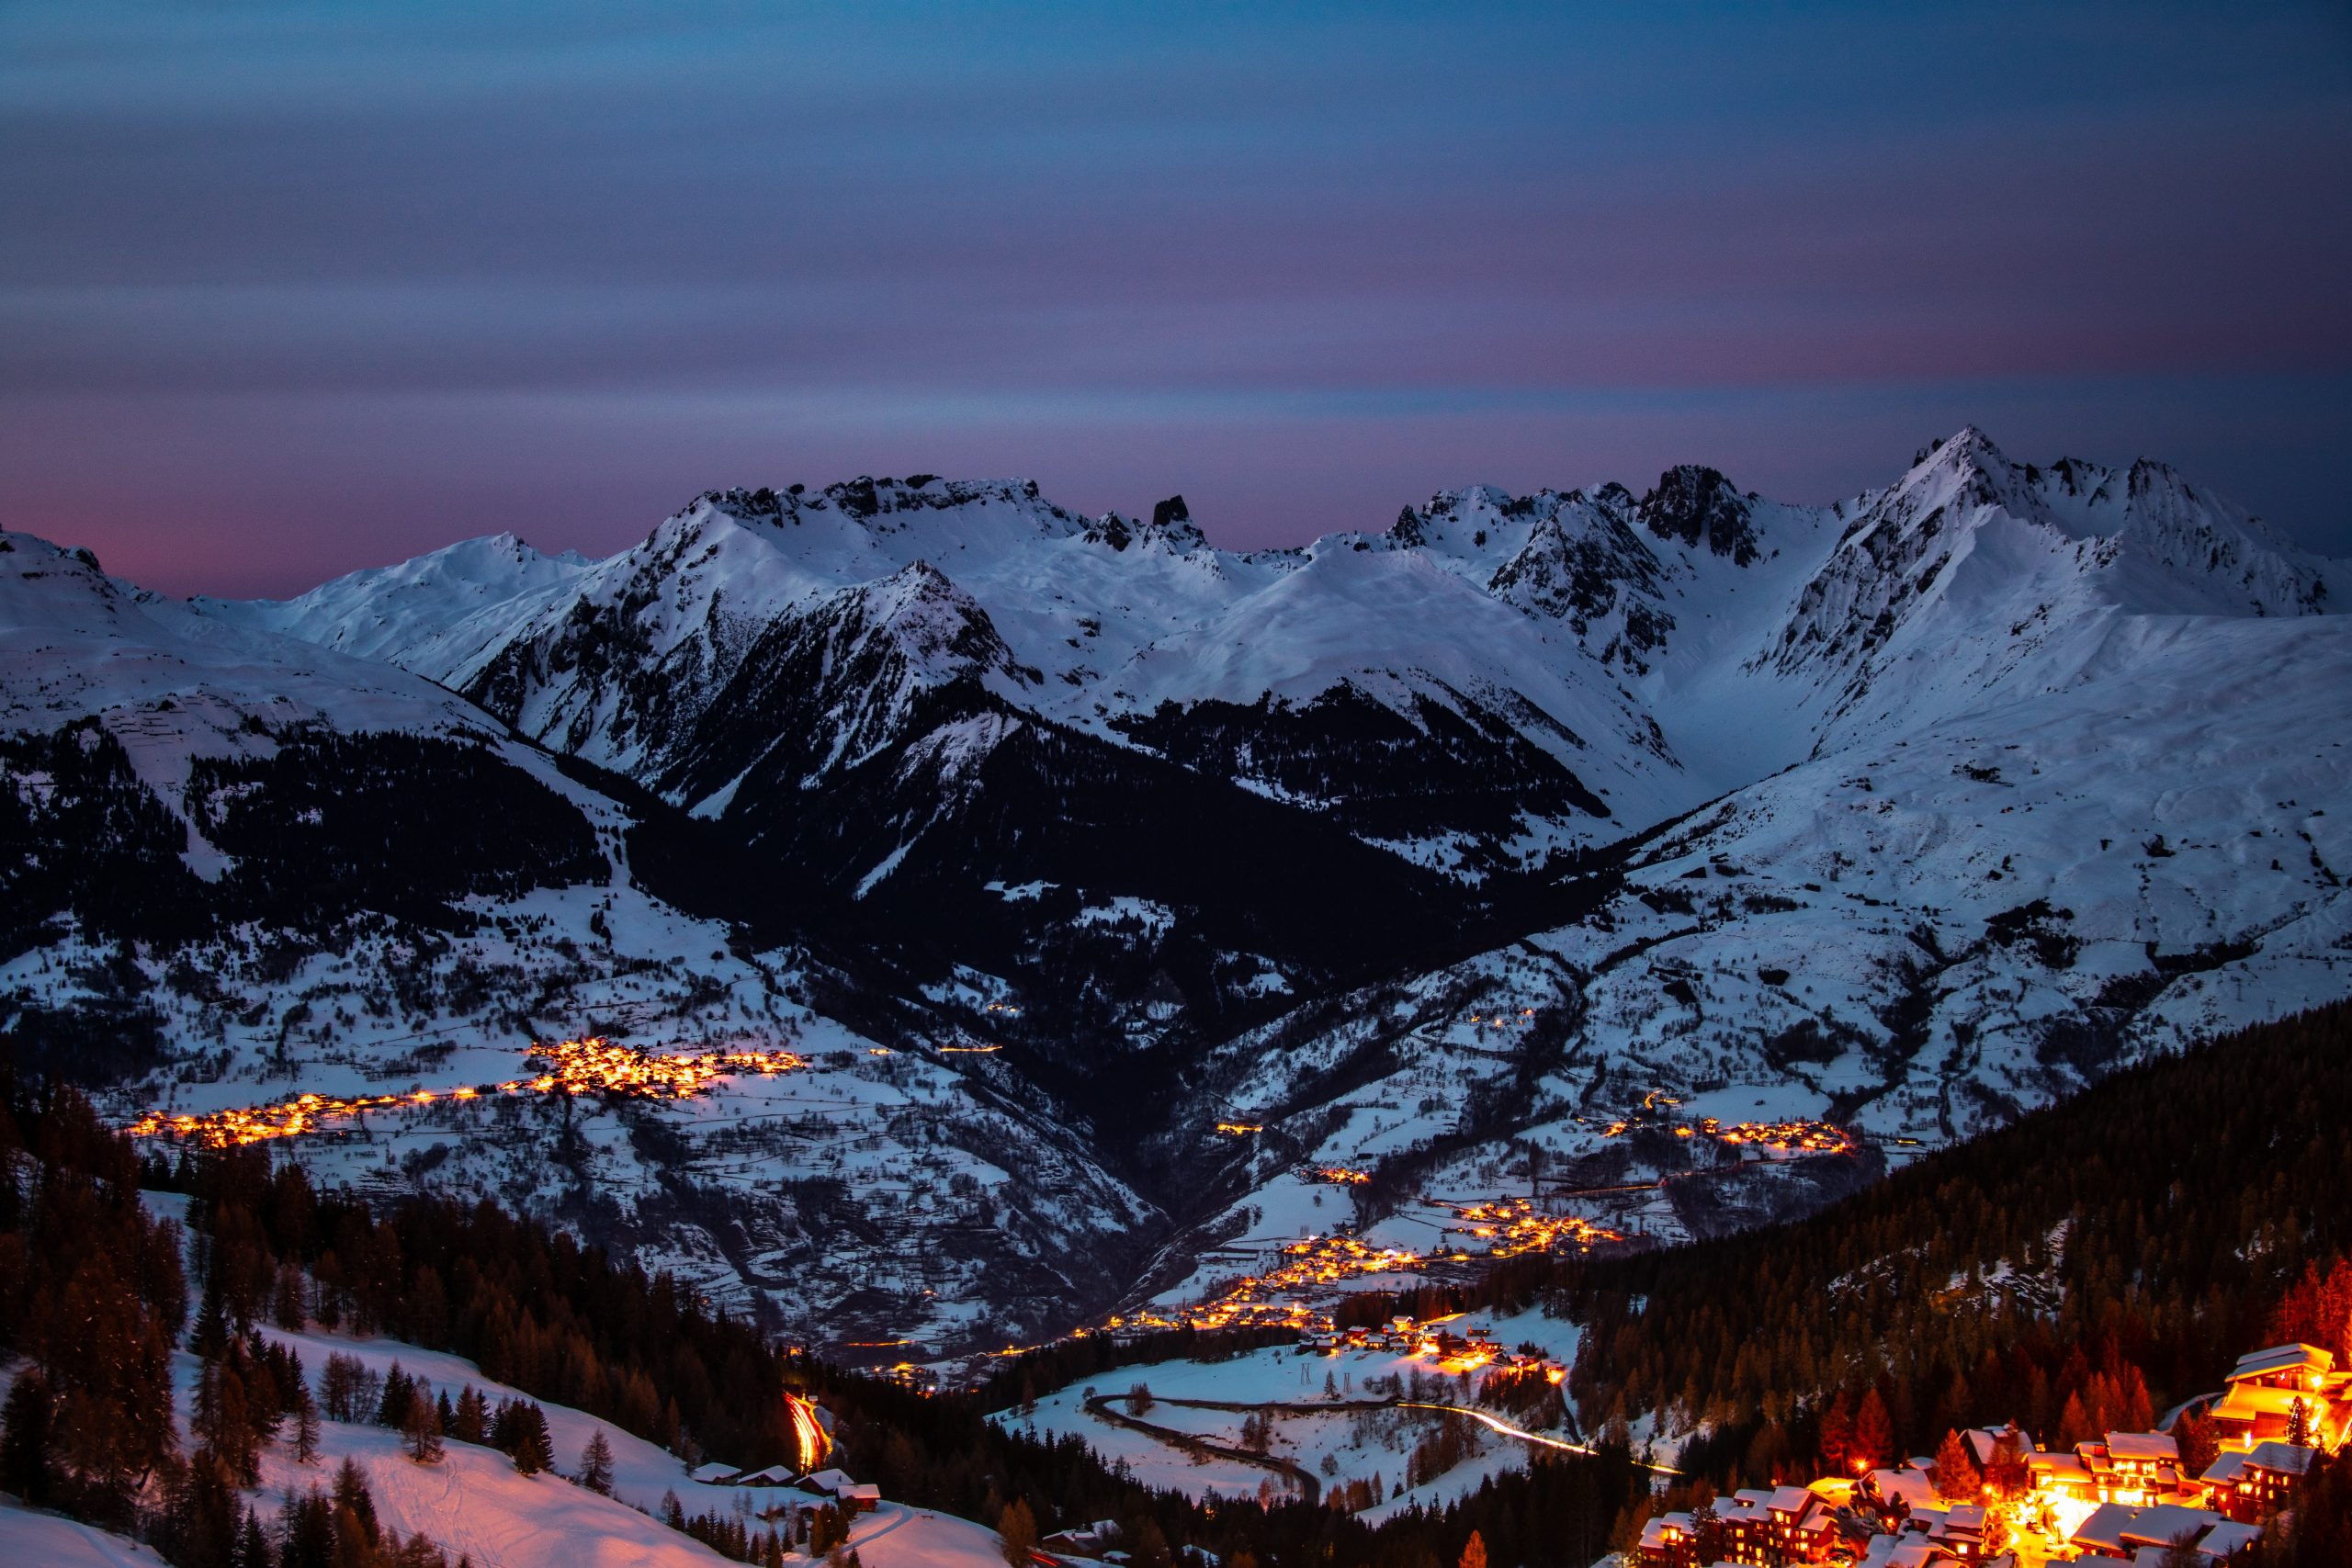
{"x": 2144, "y": 1446}
{"x": 713, "y": 1472}
{"x": 2285, "y": 1459}
{"x": 2281, "y": 1358}
{"x": 2229, "y": 1536}
{"x": 1910, "y": 1485}
{"x": 2058, "y": 1466}
{"x": 2163, "y": 1523}
{"x": 2103, "y": 1527}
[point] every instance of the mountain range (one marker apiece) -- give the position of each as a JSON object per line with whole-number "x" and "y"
{"x": 1056, "y": 844}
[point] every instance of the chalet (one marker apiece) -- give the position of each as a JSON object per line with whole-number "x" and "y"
{"x": 1669, "y": 1541}
{"x": 2057, "y": 1476}
{"x": 2303, "y": 1368}
{"x": 2120, "y": 1531}
{"x": 774, "y": 1475}
{"x": 2136, "y": 1468}
{"x": 2272, "y": 1390}
{"x": 1087, "y": 1541}
{"x": 1896, "y": 1494}
{"x": 1959, "y": 1530}
{"x": 2253, "y": 1484}
{"x": 1765, "y": 1526}
{"x": 1906, "y": 1551}
{"x": 853, "y": 1496}
{"x": 2000, "y": 1457}
{"x": 715, "y": 1474}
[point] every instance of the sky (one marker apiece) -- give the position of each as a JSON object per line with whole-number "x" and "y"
{"x": 290, "y": 289}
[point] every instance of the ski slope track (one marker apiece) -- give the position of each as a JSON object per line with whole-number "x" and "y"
{"x": 1487, "y": 846}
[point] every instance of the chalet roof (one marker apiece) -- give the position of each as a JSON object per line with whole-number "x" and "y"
{"x": 1903, "y": 1552}
{"x": 774, "y": 1475}
{"x": 2103, "y": 1527}
{"x": 1656, "y": 1532}
{"x": 1908, "y": 1484}
{"x": 2229, "y": 1536}
{"x": 2061, "y": 1466}
{"x": 2160, "y": 1524}
{"x": 2146, "y": 1446}
{"x": 2225, "y": 1470}
{"x": 862, "y": 1490}
{"x": 711, "y": 1474}
{"x": 2283, "y": 1358}
{"x": 2282, "y": 1459}
{"x": 1790, "y": 1499}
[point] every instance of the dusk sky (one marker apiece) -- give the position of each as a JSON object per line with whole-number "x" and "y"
{"x": 290, "y": 290}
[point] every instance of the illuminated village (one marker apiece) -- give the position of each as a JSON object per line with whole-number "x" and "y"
{"x": 2129, "y": 1496}
{"x": 1295, "y": 1293}
{"x": 593, "y": 1066}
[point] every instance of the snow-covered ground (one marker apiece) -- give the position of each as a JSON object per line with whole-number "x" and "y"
{"x": 1337, "y": 1446}
{"x": 474, "y": 1502}
{"x": 29, "y": 1539}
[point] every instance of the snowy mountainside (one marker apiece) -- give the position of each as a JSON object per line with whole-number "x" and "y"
{"x": 1414, "y": 849}
{"x": 235, "y": 865}
{"x": 431, "y": 614}
{"x": 1918, "y": 937}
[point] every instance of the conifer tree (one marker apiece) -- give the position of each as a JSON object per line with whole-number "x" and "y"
{"x": 470, "y": 1425}
{"x": 306, "y": 1426}
{"x": 1873, "y": 1442}
{"x": 1474, "y": 1553}
{"x": 596, "y": 1463}
{"x": 2199, "y": 1444}
{"x": 421, "y": 1433}
{"x": 25, "y": 1463}
{"x": 352, "y": 1499}
{"x": 1016, "y": 1530}
{"x": 1956, "y": 1473}
{"x": 2075, "y": 1422}
{"x": 534, "y": 1450}
{"x": 253, "y": 1545}
{"x": 392, "y": 1409}
{"x": 1837, "y": 1434}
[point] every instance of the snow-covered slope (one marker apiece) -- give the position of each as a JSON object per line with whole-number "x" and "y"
{"x": 1917, "y": 809}
{"x": 234, "y": 865}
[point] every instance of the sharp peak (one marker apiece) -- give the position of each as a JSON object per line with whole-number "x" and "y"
{"x": 865, "y": 497}
{"x": 1967, "y": 446}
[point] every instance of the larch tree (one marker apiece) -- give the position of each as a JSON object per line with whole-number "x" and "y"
{"x": 596, "y": 1463}
{"x": 1016, "y": 1530}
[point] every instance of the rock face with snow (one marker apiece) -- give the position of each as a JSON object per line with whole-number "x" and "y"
{"x": 1921, "y": 808}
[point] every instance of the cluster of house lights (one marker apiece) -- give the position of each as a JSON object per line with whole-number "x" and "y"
{"x": 593, "y": 1066}
{"x": 1508, "y": 1227}
{"x": 1797, "y": 1136}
